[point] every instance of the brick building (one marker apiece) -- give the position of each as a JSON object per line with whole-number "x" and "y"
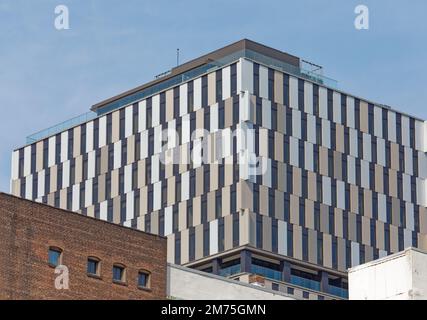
{"x": 104, "y": 260}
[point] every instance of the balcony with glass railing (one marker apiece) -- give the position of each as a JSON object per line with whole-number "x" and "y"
{"x": 230, "y": 270}
{"x": 306, "y": 283}
{"x": 339, "y": 292}
{"x": 266, "y": 272}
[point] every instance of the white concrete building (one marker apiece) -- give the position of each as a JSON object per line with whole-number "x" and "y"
{"x": 400, "y": 276}
{"x": 190, "y": 284}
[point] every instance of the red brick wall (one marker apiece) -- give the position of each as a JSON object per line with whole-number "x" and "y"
{"x": 28, "y": 229}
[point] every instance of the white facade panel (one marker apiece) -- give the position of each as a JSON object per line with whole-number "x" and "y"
{"x": 128, "y": 121}
{"x": 89, "y": 136}
{"x": 406, "y": 180}
{"x": 326, "y": 133}
{"x": 51, "y": 151}
{"x": 296, "y": 123}
{"x": 336, "y": 105}
{"x": 185, "y": 186}
{"x": 157, "y": 196}
{"x": 293, "y": 151}
{"x": 266, "y": 177}
{"x": 76, "y": 198}
{"x": 381, "y": 152}
{"x": 15, "y": 165}
{"x": 420, "y": 132}
{"x": 263, "y": 82}
{"x": 239, "y": 75}
{"x": 214, "y": 117}
{"x": 226, "y": 82}
{"x": 65, "y": 174}
{"x": 130, "y": 210}
{"x": 29, "y": 187}
{"x": 382, "y": 207}
{"x": 102, "y": 131}
{"x": 88, "y": 193}
{"x": 41, "y": 184}
{"x": 405, "y": 131}
{"x": 308, "y": 151}
{"x": 155, "y": 110}
{"x": 409, "y": 216}
{"x": 293, "y": 92}
{"x": 353, "y": 142}
{"x": 168, "y": 221}
{"x": 367, "y": 152}
{"x": 183, "y": 98}
{"x": 311, "y": 128}
{"x": 408, "y": 160}
{"x": 117, "y": 154}
{"x": 142, "y": 116}
{"x": 326, "y": 189}
{"x": 391, "y": 126}
{"x": 27, "y": 161}
{"x": 64, "y": 146}
{"x": 155, "y": 168}
{"x": 421, "y": 192}
{"x": 351, "y": 169}
{"x": 378, "y": 121}
{"x": 197, "y": 91}
{"x": 213, "y": 237}
{"x": 364, "y": 174}
{"x": 282, "y": 237}
{"x": 355, "y": 254}
{"x": 350, "y": 112}
{"x": 340, "y": 194}
{"x": 422, "y": 164}
{"x": 247, "y": 76}
{"x": 157, "y": 139}
{"x": 144, "y": 144}
{"x": 323, "y": 102}
{"x": 103, "y": 210}
{"x": 266, "y": 113}
{"x": 407, "y": 238}
{"x": 91, "y": 164}
{"x": 186, "y": 134}
{"x": 128, "y": 178}
{"x": 308, "y": 97}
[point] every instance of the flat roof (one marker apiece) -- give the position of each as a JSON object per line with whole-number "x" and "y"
{"x": 389, "y": 257}
{"x": 207, "y": 58}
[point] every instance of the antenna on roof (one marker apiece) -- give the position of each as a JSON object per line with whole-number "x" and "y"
{"x": 177, "y": 57}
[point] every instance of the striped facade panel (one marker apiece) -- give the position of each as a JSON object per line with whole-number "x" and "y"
{"x": 344, "y": 179}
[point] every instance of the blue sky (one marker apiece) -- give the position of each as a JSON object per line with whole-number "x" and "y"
{"x": 48, "y": 76}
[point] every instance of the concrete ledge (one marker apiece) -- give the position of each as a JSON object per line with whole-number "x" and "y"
{"x": 190, "y": 284}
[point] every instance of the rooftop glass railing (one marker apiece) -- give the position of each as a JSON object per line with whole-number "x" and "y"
{"x": 177, "y": 80}
{"x": 88, "y": 116}
{"x": 291, "y": 69}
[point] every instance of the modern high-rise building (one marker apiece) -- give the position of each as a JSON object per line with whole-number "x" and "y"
{"x": 287, "y": 177}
